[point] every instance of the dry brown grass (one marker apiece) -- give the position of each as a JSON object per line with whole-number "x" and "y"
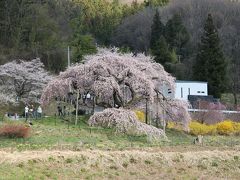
{"x": 129, "y": 1}
{"x": 134, "y": 164}
{"x": 59, "y": 152}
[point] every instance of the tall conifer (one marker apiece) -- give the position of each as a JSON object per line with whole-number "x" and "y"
{"x": 210, "y": 62}
{"x": 176, "y": 34}
{"x": 159, "y": 46}
{"x": 157, "y": 30}
{"x": 161, "y": 52}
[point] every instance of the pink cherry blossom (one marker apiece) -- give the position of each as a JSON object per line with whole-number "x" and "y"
{"x": 22, "y": 79}
{"x": 119, "y": 80}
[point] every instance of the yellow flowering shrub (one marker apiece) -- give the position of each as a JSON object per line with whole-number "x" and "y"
{"x": 197, "y": 128}
{"x": 212, "y": 129}
{"x": 171, "y": 125}
{"x": 236, "y": 127}
{"x": 225, "y": 128}
{"x": 140, "y": 115}
{"x": 174, "y": 125}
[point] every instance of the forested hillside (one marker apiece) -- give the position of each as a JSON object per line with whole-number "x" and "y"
{"x": 151, "y": 91}
{"x": 36, "y": 28}
{"x": 45, "y": 28}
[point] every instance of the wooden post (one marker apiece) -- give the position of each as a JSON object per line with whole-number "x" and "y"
{"x": 76, "y": 120}
{"x": 164, "y": 122}
{"x": 93, "y": 109}
{"x": 69, "y": 63}
{"x": 55, "y": 122}
{"x": 157, "y": 118}
{"x": 164, "y": 118}
{"x": 146, "y": 112}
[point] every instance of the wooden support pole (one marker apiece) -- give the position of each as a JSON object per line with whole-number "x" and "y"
{"x": 76, "y": 120}
{"x": 146, "y": 112}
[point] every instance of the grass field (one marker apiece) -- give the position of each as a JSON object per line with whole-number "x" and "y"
{"x": 58, "y": 150}
{"x": 128, "y": 1}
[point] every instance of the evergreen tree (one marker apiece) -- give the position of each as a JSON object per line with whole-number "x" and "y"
{"x": 176, "y": 34}
{"x": 159, "y": 46}
{"x": 161, "y": 52}
{"x": 210, "y": 62}
{"x": 157, "y": 30}
{"x": 83, "y": 45}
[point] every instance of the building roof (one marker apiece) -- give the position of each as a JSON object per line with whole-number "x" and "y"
{"x": 180, "y": 81}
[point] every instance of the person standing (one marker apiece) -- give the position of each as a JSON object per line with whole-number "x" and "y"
{"x": 31, "y": 111}
{"x": 26, "y": 112}
{"x": 39, "y": 112}
{"x": 64, "y": 111}
{"x": 60, "y": 113}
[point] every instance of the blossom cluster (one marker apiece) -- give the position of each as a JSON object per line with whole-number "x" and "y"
{"x": 23, "y": 80}
{"x": 119, "y": 80}
{"x": 125, "y": 121}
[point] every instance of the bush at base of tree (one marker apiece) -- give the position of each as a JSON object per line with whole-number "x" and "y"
{"x": 126, "y": 122}
{"x": 140, "y": 115}
{"x": 15, "y": 131}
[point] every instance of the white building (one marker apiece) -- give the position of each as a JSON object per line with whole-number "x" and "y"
{"x": 185, "y": 88}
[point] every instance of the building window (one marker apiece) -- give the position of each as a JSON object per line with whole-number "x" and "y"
{"x": 189, "y": 91}
{"x": 169, "y": 91}
{"x": 181, "y": 92}
{"x": 203, "y": 92}
{"x": 199, "y": 92}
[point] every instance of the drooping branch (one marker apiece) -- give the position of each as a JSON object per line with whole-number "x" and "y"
{"x": 117, "y": 79}
{"x": 176, "y": 110}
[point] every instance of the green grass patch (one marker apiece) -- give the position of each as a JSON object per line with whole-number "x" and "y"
{"x": 55, "y": 133}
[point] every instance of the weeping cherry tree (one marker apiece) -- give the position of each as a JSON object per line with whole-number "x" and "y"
{"x": 120, "y": 83}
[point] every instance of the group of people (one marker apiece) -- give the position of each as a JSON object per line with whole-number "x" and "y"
{"x": 31, "y": 111}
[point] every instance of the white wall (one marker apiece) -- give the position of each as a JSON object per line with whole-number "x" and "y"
{"x": 185, "y": 88}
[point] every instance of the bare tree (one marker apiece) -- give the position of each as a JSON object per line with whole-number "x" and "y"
{"x": 134, "y": 32}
